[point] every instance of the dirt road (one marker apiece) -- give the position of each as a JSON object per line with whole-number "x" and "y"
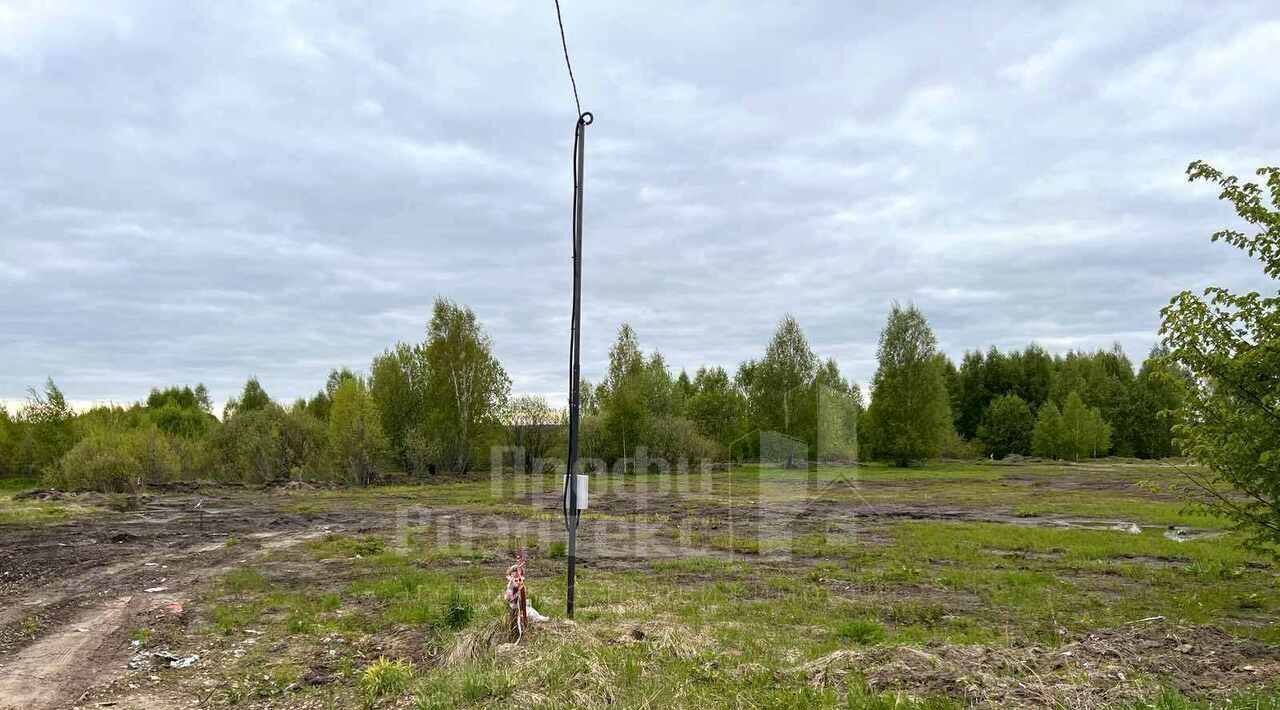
{"x": 75, "y": 591}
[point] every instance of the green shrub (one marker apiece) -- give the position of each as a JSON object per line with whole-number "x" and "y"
{"x": 114, "y": 460}
{"x": 676, "y": 439}
{"x": 953, "y": 447}
{"x": 358, "y": 450}
{"x": 266, "y": 444}
{"x": 153, "y": 449}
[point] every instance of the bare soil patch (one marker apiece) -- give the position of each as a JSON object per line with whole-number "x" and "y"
{"x": 75, "y": 590}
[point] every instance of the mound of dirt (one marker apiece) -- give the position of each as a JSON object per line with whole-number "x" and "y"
{"x": 1102, "y": 668}
{"x": 40, "y": 494}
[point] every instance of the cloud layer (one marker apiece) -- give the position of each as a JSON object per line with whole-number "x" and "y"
{"x": 200, "y": 194}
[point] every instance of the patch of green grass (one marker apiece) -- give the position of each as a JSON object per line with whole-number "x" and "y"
{"x": 468, "y": 686}
{"x": 1170, "y": 699}
{"x": 245, "y": 579}
{"x": 458, "y": 552}
{"x": 458, "y": 612}
{"x": 229, "y": 618}
{"x": 386, "y": 678}
{"x": 696, "y": 564}
{"x": 861, "y": 631}
{"x": 1130, "y": 508}
{"x": 34, "y": 512}
{"x": 17, "y": 484}
{"x": 334, "y": 546}
{"x": 909, "y": 613}
{"x": 556, "y": 550}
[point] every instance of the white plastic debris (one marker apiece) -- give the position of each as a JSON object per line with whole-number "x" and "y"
{"x": 186, "y": 662}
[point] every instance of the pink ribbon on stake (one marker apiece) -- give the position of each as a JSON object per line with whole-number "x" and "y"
{"x": 517, "y": 598}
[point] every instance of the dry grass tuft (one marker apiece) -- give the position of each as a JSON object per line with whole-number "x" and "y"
{"x": 479, "y": 642}
{"x": 1101, "y": 669}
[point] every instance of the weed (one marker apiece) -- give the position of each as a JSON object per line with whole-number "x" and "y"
{"x": 478, "y": 686}
{"x": 861, "y": 631}
{"x": 229, "y": 618}
{"x": 386, "y": 677}
{"x": 458, "y": 611}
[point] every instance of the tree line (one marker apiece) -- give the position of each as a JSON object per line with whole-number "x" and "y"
{"x": 422, "y": 407}
{"x": 443, "y": 404}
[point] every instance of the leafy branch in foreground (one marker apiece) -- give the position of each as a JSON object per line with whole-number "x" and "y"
{"x": 1230, "y": 343}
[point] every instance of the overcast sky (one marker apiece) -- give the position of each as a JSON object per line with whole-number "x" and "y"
{"x": 198, "y": 194}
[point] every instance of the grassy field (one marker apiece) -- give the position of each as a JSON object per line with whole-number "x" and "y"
{"x": 951, "y": 560}
{"x": 946, "y": 586}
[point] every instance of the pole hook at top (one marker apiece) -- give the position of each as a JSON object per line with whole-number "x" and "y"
{"x": 586, "y": 118}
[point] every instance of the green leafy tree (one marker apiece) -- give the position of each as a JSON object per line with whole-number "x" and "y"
{"x": 1048, "y": 438}
{"x": 1085, "y": 433}
{"x": 779, "y": 390}
{"x": 682, "y": 391}
{"x": 466, "y": 385}
{"x": 180, "y": 411}
{"x": 910, "y": 413}
{"x": 8, "y": 444}
{"x": 398, "y": 383}
{"x": 1006, "y": 427}
{"x": 1036, "y": 369}
{"x": 319, "y": 404}
{"x": 48, "y": 429}
{"x": 951, "y": 376}
{"x": 252, "y": 398}
{"x": 660, "y": 391}
{"x": 1230, "y": 344}
{"x": 534, "y": 429}
{"x": 971, "y": 394}
{"x": 717, "y": 407}
{"x": 202, "y": 398}
{"x": 635, "y": 393}
{"x": 1158, "y": 394}
{"x": 1111, "y": 391}
{"x": 1000, "y": 373}
{"x": 1103, "y": 379}
{"x": 838, "y": 408}
{"x": 357, "y": 447}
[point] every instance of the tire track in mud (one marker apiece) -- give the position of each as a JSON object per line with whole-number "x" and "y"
{"x": 84, "y": 615}
{"x": 51, "y": 670}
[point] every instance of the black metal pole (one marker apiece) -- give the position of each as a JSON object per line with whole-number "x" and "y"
{"x": 571, "y": 512}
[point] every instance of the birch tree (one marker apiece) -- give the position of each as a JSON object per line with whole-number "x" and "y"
{"x": 466, "y": 385}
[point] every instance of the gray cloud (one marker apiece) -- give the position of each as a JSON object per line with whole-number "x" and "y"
{"x": 200, "y": 194}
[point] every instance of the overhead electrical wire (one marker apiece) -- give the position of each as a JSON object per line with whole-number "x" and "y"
{"x": 567, "y": 63}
